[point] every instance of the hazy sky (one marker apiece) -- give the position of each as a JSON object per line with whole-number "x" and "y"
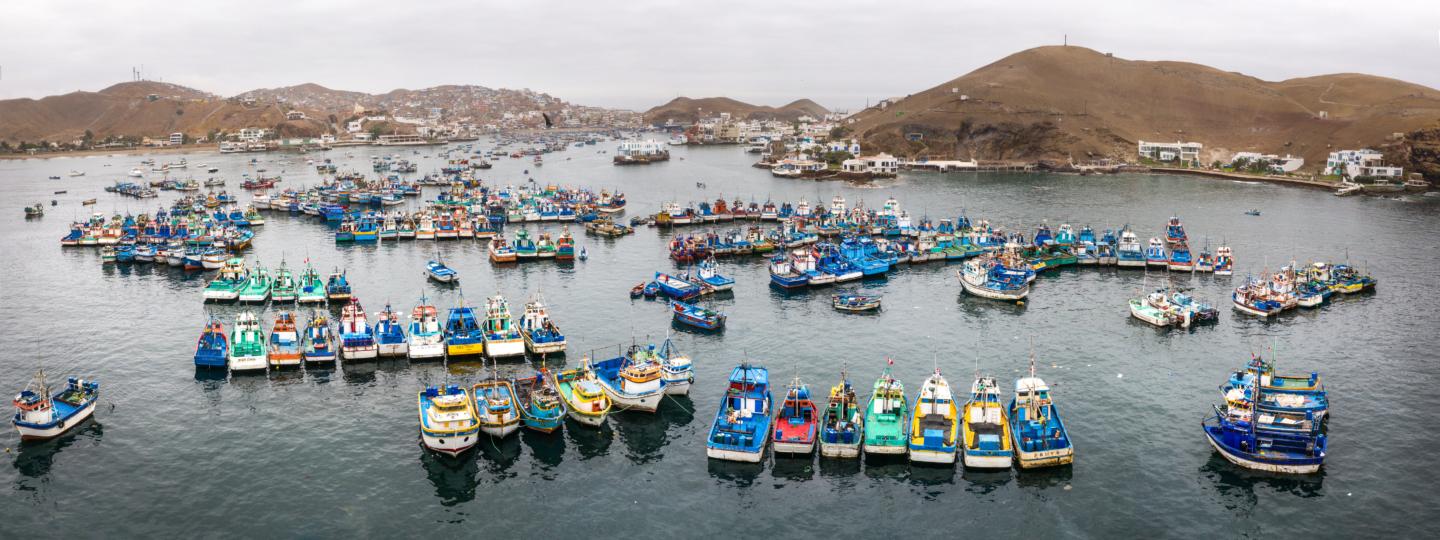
{"x": 638, "y": 53}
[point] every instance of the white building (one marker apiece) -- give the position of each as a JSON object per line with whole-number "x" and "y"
{"x": 354, "y": 126}
{"x": 177, "y": 138}
{"x": 1185, "y": 152}
{"x": 1363, "y": 162}
{"x": 1276, "y": 164}
{"x": 251, "y": 134}
{"x": 852, "y": 146}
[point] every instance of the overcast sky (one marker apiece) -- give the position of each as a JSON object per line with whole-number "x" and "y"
{"x": 638, "y": 53}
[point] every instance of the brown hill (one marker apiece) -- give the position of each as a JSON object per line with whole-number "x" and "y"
{"x": 142, "y": 108}
{"x": 1072, "y": 102}
{"x": 684, "y": 110}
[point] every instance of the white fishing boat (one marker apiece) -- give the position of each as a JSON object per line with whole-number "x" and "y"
{"x": 541, "y": 334}
{"x": 247, "y": 344}
{"x": 501, "y": 335}
{"x": 39, "y": 415}
{"x": 427, "y": 337}
{"x": 447, "y": 420}
{"x": 632, "y": 385}
{"x": 495, "y": 404}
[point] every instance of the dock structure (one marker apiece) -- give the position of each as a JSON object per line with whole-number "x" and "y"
{"x": 955, "y": 165}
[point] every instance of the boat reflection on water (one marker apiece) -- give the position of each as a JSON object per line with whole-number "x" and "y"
{"x": 209, "y": 378}
{"x": 835, "y": 468}
{"x": 360, "y": 373}
{"x": 546, "y": 448}
{"x": 1235, "y": 487}
{"x": 646, "y": 435}
{"x": 737, "y": 473}
{"x": 454, "y": 478}
{"x": 33, "y": 459}
{"x": 1044, "y": 477}
{"x": 985, "y": 480}
{"x": 498, "y": 455}
{"x": 788, "y": 467}
{"x": 590, "y": 442}
{"x": 928, "y": 475}
{"x": 886, "y": 467}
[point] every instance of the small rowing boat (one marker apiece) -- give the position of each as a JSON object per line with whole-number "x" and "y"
{"x": 855, "y": 302}
{"x": 696, "y": 316}
{"x": 437, "y": 271}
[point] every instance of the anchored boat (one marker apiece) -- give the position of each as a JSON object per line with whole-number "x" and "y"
{"x": 319, "y": 342}
{"x": 247, "y": 344}
{"x": 541, "y": 334}
{"x": 797, "y": 421}
{"x": 390, "y": 334}
{"x": 502, "y": 337}
{"x": 1039, "y": 435}
{"x": 742, "y": 424}
{"x": 448, "y": 422}
{"x": 886, "y": 416}
{"x": 357, "y": 342}
{"x": 337, "y": 287}
{"x": 987, "y": 277}
{"x": 631, "y": 383}
{"x": 312, "y": 290}
{"x": 842, "y": 428}
{"x": 284, "y": 350}
{"x": 39, "y": 415}
{"x": 987, "y": 433}
{"x": 696, "y": 316}
{"x": 935, "y": 424}
{"x": 463, "y": 336}
{"x": 226, "y": 286}
{"x": 855, "y": 302}
{"x": 585, "y": 399}
{"x": 541, "y": 408}
{"x": 495, "y": 403}
{"x": 441, "y": 273}
{"x": 212, "y": 347}
{"x": 257, "y": 289}
{"x": 427, "y": 338}
{"x": 1279, "y": 434}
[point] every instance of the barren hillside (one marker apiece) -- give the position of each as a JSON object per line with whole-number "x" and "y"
{"x": 684, "y": 110}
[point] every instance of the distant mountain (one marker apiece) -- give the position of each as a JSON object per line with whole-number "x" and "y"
{"x": 1071, "y": 102}
{"x": 146, "y": 108}
{"x": 684, "y": 110}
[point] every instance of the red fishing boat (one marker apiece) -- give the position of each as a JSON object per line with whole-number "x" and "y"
{"x": 796, "y": 422}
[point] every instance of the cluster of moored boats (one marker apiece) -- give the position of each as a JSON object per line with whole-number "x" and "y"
{"x": 1294, "y": 286}
{"x": 1271, "y": 422}
{"x": 248, "y": 347}
{"x": 453, "y": 417}
{"x": 181, "y": 237}
{"x": 983, "y": 433}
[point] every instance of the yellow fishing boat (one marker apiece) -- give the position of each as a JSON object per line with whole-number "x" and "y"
{"x": 987, "y": 433}
{"x": 935, "y": 423}
{"x": 584, "y": 398}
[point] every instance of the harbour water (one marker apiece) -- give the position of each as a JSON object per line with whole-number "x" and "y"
{"x": 335, "y": 452}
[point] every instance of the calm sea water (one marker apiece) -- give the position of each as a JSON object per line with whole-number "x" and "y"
{"x": 335, "y": 452}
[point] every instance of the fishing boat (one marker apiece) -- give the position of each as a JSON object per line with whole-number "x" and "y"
{"x": 1128, "y": 252}
{"x": 675, "y": 287}
{"x": 501, "y": 252}
{"x": 1255, "y": 298}
{"x": 337, "y": 287}
{"x": 357, "y": 342}
{"x": 1175, "y": 231}
{"x": 633, "y": 384}
{"x": 1194, "y": 309}
{"x": 842, "y": 427}
{"x": 525, "y": 249}
{"x": 541, "y": 408}
{"x": 426, "y": 337}
{"x": 390, "y": 334}
{"x": 1180, "y": 259}
{"x": 448, "y": 422}
{"x": 797, "y": 421}
{"x": 1155, "y": 253}
{"x": 677, "y": 372}
{"x": 1156, "y": 309}
{"x": 696, "y": 316}
{"x": 987, "y": 432}
{"x": 40, "y": 415}
{"x": 987, "y": 277}
{"x": 541, "y": 334}
{"x": 312, "y": 290}
{"x": 212, "y": 347}
{"x": 1349, "y": 280}
{"x": 495, "y": 402}
{"x": 886, "y": 416}
{"x": 284, "y": 349}
{"x": 1253, "y": 432}
{"x": 565, "y": 246}
{"x": 257, "y": 289}
{"x": 784, "y": 273}
{"x": 710, "y": 276}
{"x": 247, "y": 344}
{"x": 741, "y": 428}
{"x": 318, "y": 346}
{"x": 585, "y": 399}
{"x": 935, "y": 424}
{"x": 854, "y": 302}
{"x": 437, "y": 271}
{"x": 1036, "y": 430}
{"x": 1224, "y": 262}
{"x": 463, "y": 336}
{"x": 501, "y": 334}
{"x": 284, "y": 288}
{"x": 228, "y": 283}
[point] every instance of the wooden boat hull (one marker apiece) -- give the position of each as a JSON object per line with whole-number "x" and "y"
{"x": 1045, "y": 458}
{"x": 60, "y": 427}
{"x": 974, "y": 461}
{"x": 994, "y": 294}
{"x": 500, "y": 348}
{"x": 452, "y": 444}
{"x": 932, "y": 456}
{"x": 464, "y": 349}
{"x": 801, "y": 448}
{"x": 736, "y": 455}
{"x": 248, "y": 363}
{"x": 886, "y": 449}
{"x": 1290, "y": 467}
{"x": 844, "y": 451}
{"x": 421, "y": 350}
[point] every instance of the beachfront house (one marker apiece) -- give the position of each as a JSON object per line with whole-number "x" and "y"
{"x": 177, "y": 138}
{"x": 251, "y": 134}
{"x": 1271, "y": 162}
{"x": 1180, "y": 152}
{"x": 1363, "y": 162}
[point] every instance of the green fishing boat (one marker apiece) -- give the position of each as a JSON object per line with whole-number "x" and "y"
{"x": 886, "y": 417}
{"x": 311, "y": 289}
{"x": 227, "y": 285}
{"x": 285, "y": 288}
{"x": 258, "y": 288}
{"x": 247, "y": 344}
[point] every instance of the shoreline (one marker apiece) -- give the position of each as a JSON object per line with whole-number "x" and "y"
{"x": 1313, "y": 184}
{"x": 193, "y": 149}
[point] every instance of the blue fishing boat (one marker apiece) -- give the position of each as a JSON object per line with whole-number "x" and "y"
{"x": 318, "y": 345}
{"x": 390, "y": 333}
{"x": 1128, "y": 251}
{"x": 357, "y": 338}
{"x": 633, "y": 382}
{"x": 337, "y": 287}
{"x": 463, "y": 335}
{"x": 696, "y": 316}
{"x": 712, "y": 278}
{"x": 1256, "y": 432}
{"x": 1155, "y": 253}
{"x": 987, "y": 277}
{"x": 862, "y": 252}
{"x": 675, "y": 287}
{"x": 650, "y": 289}
{"x": 842, "y": 426}
{"x": 1175, "y": 232}
{"x": 39, "y": 415}
{"x": 741, "y": 428}
{"x": 1180, "y": 259}
{"x": 437, "y": 271}
{"x": 541, "y": 408}
{"x": 541, "y": 334}
{"x": 1039, "y": 435}
{"x": 212, "y": 347}
{"x": 784, "y": 273}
